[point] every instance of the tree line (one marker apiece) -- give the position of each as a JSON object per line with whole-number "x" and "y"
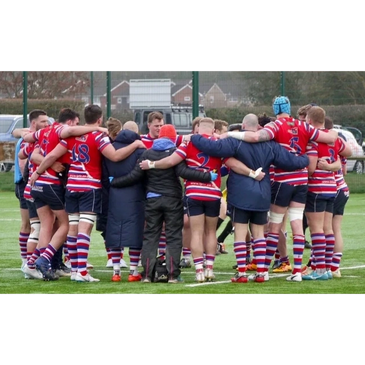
{"x": 259, "y": 88}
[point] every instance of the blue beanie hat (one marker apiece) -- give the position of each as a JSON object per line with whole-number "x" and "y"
{"x": 281, "y": 105}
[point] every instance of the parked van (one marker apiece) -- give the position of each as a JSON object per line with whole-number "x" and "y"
{"x": 180, "y": 117}
{"x": 357, "y": 151}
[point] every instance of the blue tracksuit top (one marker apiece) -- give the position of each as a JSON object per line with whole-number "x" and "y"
{"x": 243, "y": 192}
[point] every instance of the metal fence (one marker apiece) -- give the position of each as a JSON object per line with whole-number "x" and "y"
{"x": 225, "y": 95}
{"x": 216, "y": 90}
{"x": 232, "y": 87}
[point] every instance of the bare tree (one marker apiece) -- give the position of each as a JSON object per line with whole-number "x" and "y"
{"x": 11, "y": 82}
{"x": 45, "y": 85}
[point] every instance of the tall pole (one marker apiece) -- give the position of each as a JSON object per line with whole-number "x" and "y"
{"x": 25, "y": 98}
{"x": 282, "y": 82}
{"x": 195, "y": 77}
{"x": 108, "y": 94}
{"x": 91, "y": 87}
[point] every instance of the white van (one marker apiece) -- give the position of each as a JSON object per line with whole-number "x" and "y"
{"x": 357, "y": 151}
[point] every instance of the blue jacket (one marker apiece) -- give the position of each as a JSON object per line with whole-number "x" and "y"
{"x": 125, "y": 211}
{"x": 17, "y": 173}
{"x": 243, "y": 192}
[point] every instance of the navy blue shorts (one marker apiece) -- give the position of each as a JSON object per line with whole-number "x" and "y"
{"x": 282, "y": 194}
{"x": 19, "y": 193}
{"x": 318, "y": 203}
{"x": 51, "y": 195}
{"x": 238, "y": 215}
{"x": 32, "y": 209}
{"x": 340, "y": 201}
{"x": 210, "y": 208}
{"x": 185, "y": 205}
{"x": 84, "y": 201}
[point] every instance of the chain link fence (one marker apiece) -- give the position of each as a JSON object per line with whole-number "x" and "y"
{"x": 223, "y": 95}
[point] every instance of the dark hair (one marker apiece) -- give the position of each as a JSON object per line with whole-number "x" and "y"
{"x": 34, "y": 114}
{"x": 264, "y": 119}
{"x": 235, "y": 127}
{"x": 67, "y": 114}
{"x": 92, "y": 113}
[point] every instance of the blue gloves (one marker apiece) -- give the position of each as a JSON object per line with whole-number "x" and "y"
{"x": 213, "y": 176}
{"x": 111, "y": 178}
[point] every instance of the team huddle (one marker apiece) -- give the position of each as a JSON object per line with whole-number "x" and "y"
{"x": 160, "y": 194}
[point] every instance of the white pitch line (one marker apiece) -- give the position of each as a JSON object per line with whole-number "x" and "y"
{"x": 271, "y": 276}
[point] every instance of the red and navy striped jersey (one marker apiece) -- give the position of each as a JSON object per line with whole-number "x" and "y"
{"x": 201, "y": 161}
{"x": 47, "y": 139}
{"x": 86, "y": 158}
{"x": 340, "y": 180}
{"x": 148, "y": 140}
{"x": 294, "y": 135}
{"x": 321, "y": 181}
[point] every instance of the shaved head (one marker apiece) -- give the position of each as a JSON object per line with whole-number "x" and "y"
{"x": 131, "y": 126}
{"x": 250, "y": 122}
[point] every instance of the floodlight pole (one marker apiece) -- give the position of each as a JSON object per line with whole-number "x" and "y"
{"x": 25, "y": 98}
{"x": 108, "y": 95}
{"x": 195, "y": 77}
{"x": 91, "y": 87}
{"x": 282, "y": 82}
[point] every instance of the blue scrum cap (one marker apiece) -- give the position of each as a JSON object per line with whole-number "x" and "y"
{"x": 281, "y": 105}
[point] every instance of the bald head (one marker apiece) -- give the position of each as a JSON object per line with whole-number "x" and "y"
{"x": 250, "y": 122}
{"x": 131, "y": 126}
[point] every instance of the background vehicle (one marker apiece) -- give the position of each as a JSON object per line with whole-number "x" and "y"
{"x": 148, "y": 95}
{"x": 357, "y": 134}
{"x": 357, "y": 151}
{"x": 179, "y": 116}
{"x": 8, "y": 123}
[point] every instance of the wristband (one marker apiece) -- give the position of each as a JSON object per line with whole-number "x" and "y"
{"x": 252, "y": 174}
{"x": 151, "y": 164}
{"x": 237, "y": 135}
{"x": 37, "y": 173}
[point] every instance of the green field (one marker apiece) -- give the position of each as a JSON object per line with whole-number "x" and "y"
{"x": 12, "y": 280}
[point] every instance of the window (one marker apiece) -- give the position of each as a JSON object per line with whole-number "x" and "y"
{"x": 184, "y": 120}
{"x": 168, "y": 118}
{"x": 187, "y": 98}
{"x": 5, "y": 125}
{"x": 176, "y": 120}
{"x": 137, "y": 118}
{"x": 19, "y": 124}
